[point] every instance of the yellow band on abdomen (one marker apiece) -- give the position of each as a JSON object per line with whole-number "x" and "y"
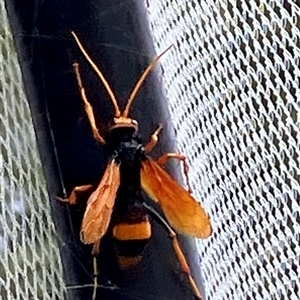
{"x": 138, "y": 231}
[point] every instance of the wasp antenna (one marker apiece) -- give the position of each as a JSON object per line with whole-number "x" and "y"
{"x": 102, "y": 78}
{"x": 141, "y": 80}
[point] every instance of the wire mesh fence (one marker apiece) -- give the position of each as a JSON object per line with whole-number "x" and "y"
{"x": 30, "y": 266}
{"x": 232, "y": 82}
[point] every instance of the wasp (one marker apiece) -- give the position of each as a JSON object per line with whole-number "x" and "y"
{"x": 117, "y": 202}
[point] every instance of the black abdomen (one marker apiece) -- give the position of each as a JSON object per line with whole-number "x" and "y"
{"x": 131, "y": 230}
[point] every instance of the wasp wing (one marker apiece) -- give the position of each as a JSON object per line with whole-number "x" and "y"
{"x": 183, "y": 212}
{"x": 100, "y": 205}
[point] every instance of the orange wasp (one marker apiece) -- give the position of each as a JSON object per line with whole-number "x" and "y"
{"x": 117, "y": 202}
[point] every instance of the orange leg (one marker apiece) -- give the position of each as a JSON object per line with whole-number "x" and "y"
{"x": 95, "y": 252}
{"x": 154, "y": 139}
{"x": 96, "y": 272}
{"x": 179, "y": 253}
{"x": 73, "y": 198}
{"x": 87, "y": 106}
{"x": 95, "y": 285}
{"x": 163, "y": 160}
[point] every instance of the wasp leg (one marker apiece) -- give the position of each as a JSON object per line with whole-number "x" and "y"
{"x": 95, "y": 252}
{"x": 87, "y": 106}
{"x": 154, "y": 139}
{"x": 73, "y": 198}
{"x": 163, "y": 160}
{"x": 95, "y": 277}
{"x": 179, "y": 253}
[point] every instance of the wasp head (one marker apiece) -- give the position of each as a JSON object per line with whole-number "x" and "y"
{"x": 124, "y": 122}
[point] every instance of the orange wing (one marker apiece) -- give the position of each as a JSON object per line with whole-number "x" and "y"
{"x": 100, "y": 206}
{"x": 183, "y": 212}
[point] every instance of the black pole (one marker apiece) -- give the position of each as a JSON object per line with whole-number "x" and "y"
{"x": 116, "y": 35}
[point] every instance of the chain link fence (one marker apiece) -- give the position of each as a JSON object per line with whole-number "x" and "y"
{"x": 232, "y": 82}
{"x": 30, "y": 266}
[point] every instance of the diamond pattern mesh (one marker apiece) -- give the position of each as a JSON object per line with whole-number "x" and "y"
{"x": 30, "y": 266}
{"x": 232, "y": 82}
